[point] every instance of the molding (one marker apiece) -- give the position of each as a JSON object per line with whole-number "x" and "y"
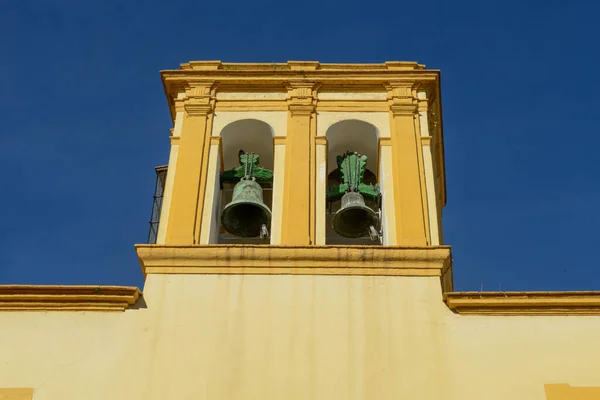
{"x": 251, "y": 105}
{"x": 301, "y": 109}
{"x": 174, "y": 139}
{"x": 278, "y": 140}
{"x": 306, "y": 65}
{"x": 301, "y": 90}
{"x": 524, "y": 303}
{"x": 384, "y": 141}
{"x": 321, "y": 141}
{"x": 426, "y": 140}
{"x": 203, "y": 65}
{"x": 178, "y": 106}
{"x": 295, "y": 260}
{"x": 215, "y": 140}
{"x": 403, "y": 65}
{"x": 400, "y": 109}
{"x": 67, "y": 298}
{"x": 198, "y": 109}
{"x": 303, "y": 65}
{"x": 353, "y": 105}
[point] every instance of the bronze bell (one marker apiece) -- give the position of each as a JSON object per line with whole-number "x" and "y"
{"x": 354, "y": 219}
{"x": 246, "y": 216}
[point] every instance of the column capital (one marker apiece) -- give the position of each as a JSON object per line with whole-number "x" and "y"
{"x": 301, "y": 109}
{"x": 302, "y": 89}
{"x": 402, "y": 98}
{"x": 198, "y": 108}
{"x": 199, "y": 97}
{"x": 301, "y": 97}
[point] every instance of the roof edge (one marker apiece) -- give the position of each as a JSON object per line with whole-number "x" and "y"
{"x": 524, "y": 303}
{"x": 67, "y": 298}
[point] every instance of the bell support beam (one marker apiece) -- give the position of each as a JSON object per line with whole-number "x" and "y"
{"x": 192, "y": 164}
{"x": 410, "y": 203}
{"x": 297, "y": 207}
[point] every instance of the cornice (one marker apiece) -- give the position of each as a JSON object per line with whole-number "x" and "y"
{"x": 67, "y": 298}
{"x": 295, "y": 260}
{"x": 524, "y": 303}
{"x": 304, "y": 65}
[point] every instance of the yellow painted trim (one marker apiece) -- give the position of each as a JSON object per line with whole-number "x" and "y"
{"x": 323, "y": 105}
{"x": 410, "y": 217}
{"x": 185, "y": 215}
{"x": 217, "y": 140}
{"x": 279, "y": 150}
{"x": 211, "y": 192}
{"x": 16, "y": 393}
{"x": 353, "y": 105}
{"x": 301, "y": 260}
{"x": 204, "y": 168}
{"x": 524, "y": 303}
{"x": 321, "y": 140}
{"x": 438, "y": 132}
{"x": 312, "y": 156}
{"x": 563, "y": 391}
{"x": 67, "y": 298}
{"x": 426, "y": 140}
{"x": 382, "y": 141}
{"x": 251, "y": 105}
{"x": 421, "y": 167}
{"x": 296, "y": 224}
{"x": 320, "y": 202}
{"x": 300, "y": 65}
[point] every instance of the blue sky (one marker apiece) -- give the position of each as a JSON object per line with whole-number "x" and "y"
{"x": 84, "y": 121}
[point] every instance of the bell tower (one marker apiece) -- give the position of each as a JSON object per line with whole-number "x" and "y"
{"x": 298, "y": 240}
{"x": 338, "y": 154}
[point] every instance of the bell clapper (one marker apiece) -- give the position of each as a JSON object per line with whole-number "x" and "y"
{"x": 264, "y": 232}
{"x": 373, "y": 234}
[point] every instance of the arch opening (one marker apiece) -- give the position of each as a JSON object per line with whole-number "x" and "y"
{"x": 244, "y": 137}
{"x": 344, "y": 137}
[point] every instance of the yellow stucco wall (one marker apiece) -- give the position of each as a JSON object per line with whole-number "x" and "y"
{"x": 295, "y": 337}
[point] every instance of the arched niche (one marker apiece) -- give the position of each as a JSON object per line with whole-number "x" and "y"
{"x": 251, "y": 136}
{"x": 354, "y": 136}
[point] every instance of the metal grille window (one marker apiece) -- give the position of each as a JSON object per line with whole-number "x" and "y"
{"x": 159, "y": 188}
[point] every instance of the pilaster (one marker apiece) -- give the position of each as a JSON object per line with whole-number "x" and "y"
{"x": 298, "y": 207}
{"x": 192, "y": 164}
{"x": 407, "y": 176}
